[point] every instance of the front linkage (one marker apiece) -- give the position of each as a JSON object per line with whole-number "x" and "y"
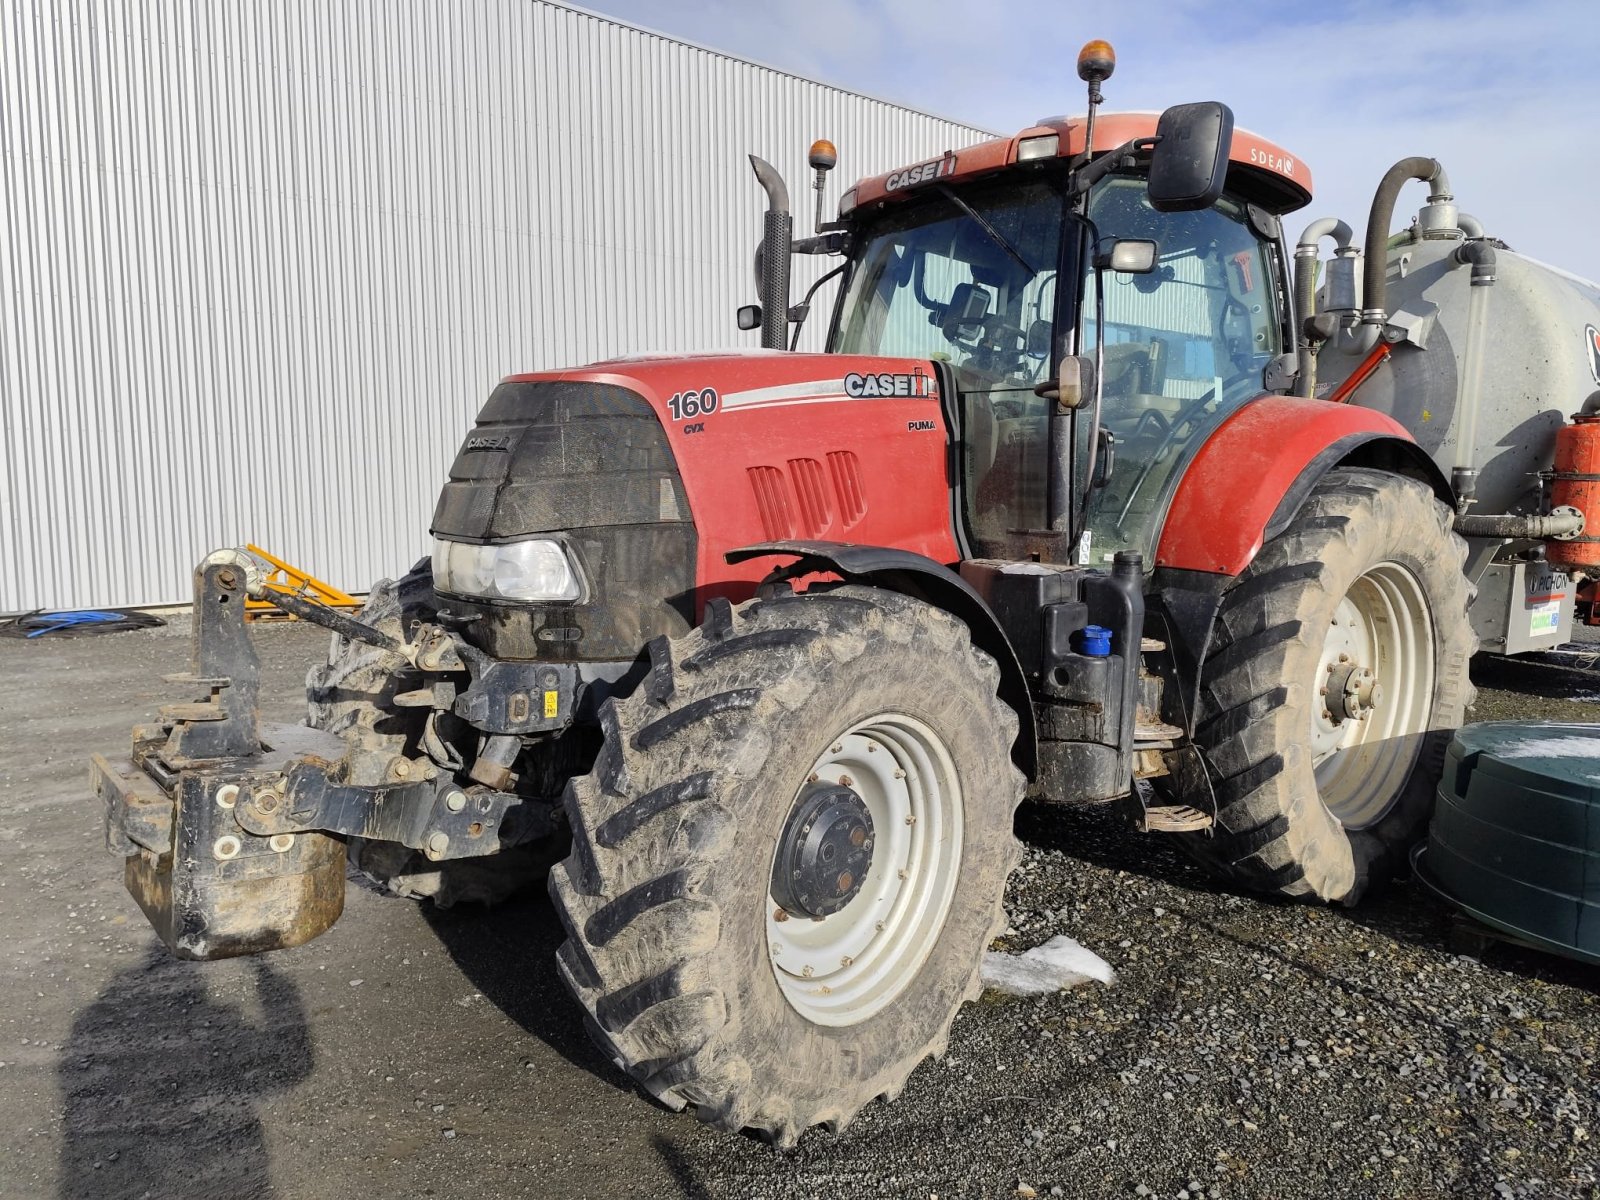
{"x": 234, "y": 832}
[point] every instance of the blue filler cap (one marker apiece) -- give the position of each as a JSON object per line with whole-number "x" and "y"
{"x": 1096, "y": 641}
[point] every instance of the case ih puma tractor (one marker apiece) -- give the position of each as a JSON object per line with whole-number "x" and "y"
{"x": 1089, "y": 499}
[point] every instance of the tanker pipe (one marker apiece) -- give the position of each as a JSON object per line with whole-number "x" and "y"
{"x": 776, "y": 239}
{"x": 1305, "y": 292}
{"x": 1469, "y": 225}
{"x": 1567, "y": 523}
{"x": 1375, "y": 301}
{"x": 1464, "y": 478}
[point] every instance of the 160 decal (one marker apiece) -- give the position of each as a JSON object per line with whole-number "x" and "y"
{"x": 696, "y": 402}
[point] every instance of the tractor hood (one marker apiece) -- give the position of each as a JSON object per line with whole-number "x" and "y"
{"x": 653, "y": 468}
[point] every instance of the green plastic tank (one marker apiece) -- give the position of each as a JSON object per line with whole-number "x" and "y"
{"x": 1515, "y": 838}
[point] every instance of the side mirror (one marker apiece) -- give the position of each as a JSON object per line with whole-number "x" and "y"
{"x": 1128, "y": 256}
{"x": 1073, "y": 385}
{"x": 748, "y": 316}
{"x": 1191, "y": 159}
{"x": 1040, "y": 336}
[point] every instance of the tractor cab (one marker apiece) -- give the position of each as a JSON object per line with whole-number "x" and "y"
{"x": 1001, "y": 261}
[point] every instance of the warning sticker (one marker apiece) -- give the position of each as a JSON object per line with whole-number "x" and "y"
{"x": 552, "y": 704}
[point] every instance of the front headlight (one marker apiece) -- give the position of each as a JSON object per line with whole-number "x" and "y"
{"x": 537, "y": 569}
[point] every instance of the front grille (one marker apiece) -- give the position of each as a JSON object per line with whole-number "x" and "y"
{"x": 592, "y": 461}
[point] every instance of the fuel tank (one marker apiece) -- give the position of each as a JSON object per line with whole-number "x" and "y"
{"x": 653, "y": 468}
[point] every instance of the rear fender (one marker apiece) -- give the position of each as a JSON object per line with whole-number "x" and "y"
{"x": 933, "y": 583}
{"x": 1256, "y": 469}
{"x": 1244, "y": 487}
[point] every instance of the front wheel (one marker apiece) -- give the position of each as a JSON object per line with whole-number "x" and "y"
{"x": 790, "y": 856}
{"x": 1338, "y": 666}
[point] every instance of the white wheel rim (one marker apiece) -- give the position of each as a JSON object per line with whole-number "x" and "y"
{"x": 1384, "y": 625}
{"x": 844, "y": 968}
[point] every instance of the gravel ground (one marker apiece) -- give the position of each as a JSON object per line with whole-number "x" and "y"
{"x": 1247, "y": 1049}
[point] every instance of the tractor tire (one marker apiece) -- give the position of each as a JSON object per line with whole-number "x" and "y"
{"x": 693, "y": 976}
{"x": 1321, "y": 781}
{"x": 352, "y": 695}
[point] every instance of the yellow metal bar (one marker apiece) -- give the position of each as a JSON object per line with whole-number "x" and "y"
{"x": 292, "y": 581}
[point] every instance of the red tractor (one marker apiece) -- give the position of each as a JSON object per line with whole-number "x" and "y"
{"x": 780, "y": 641}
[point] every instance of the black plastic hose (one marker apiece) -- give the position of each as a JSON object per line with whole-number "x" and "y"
{"x": 1375, "y": 296}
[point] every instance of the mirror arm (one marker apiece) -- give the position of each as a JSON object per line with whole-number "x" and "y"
{"x": 831, "y": 242}
{"x": 1124, "y": 157}
{"x": 801, "y": 311}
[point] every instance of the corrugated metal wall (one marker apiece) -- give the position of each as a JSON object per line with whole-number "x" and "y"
{"x": 261, "y": 262}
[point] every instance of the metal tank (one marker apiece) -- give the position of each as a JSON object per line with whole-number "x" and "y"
{"x": 1483, "y": 355}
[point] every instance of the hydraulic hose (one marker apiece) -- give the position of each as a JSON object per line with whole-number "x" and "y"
{"x": 1305, "y": 292}
{"x": 776, "y": 239}
{"x": 1550, "y": 525}
{"x": 1375, "y": 300}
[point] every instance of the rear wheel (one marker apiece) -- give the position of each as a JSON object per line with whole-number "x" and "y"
{"x": 1337, "y": 669}
{"x": 790, "y": 857}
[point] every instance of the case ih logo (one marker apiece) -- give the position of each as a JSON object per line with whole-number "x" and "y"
{"x": 489, "y": 442}
{"x": 921, "y": 173}
{"x": 1591, "y": 340}
{"x": 860, "y": 386}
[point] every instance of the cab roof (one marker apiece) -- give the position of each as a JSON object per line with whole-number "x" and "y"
{"x": 1260, "y": 171}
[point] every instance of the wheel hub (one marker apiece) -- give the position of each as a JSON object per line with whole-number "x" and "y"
{"x": 1353, "y": 692}
{"x": 1366, "y": 734}
{"x": 824, "y": 852}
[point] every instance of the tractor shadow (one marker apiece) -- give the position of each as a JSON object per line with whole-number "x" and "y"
{"x": 1401, "y": 911}
{"x": 1102, "y": 836}
{"x": 508, "y": 952}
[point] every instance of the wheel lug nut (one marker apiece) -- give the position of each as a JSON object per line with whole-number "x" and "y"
{"x": 846, "y": 781}
{"x": 780, "y": 914}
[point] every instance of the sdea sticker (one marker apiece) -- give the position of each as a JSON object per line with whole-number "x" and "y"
{"x": 918, "y": 385}
{"x": 921, "y": 173}
{"x": 1591, "y": 337}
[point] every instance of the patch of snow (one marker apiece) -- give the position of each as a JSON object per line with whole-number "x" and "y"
{"x": 1581, "y": 749}
{"x": 1057, "y": 964}
{"x": 1550, "y": 747}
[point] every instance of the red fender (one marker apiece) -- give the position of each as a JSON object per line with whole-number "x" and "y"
{"x": 1235, "y": 484}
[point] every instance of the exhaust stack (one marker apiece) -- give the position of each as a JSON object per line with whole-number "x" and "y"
{"x": 773, "y": 269}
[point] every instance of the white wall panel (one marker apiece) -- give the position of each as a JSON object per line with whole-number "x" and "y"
{"x": 261, "y": 260}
